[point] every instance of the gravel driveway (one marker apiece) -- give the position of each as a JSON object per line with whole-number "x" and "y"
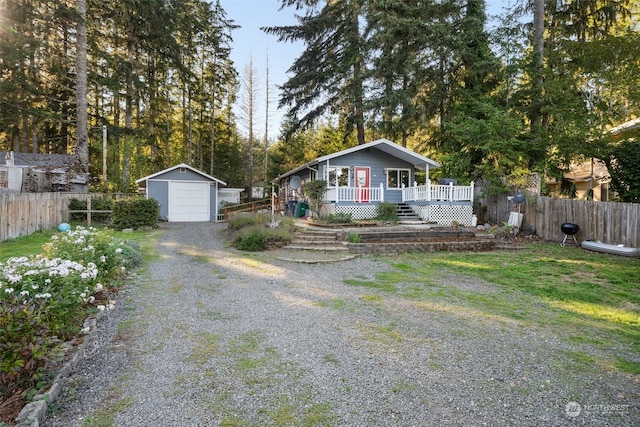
{"x": 209, "y": 336}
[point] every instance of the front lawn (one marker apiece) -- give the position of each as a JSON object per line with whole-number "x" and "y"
{"x": 588, "y": 297}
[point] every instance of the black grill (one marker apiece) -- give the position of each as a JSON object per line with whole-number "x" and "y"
{"x": 569, "y": 229}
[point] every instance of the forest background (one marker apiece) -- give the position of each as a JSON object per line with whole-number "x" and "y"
{"x": 535, "y": 93}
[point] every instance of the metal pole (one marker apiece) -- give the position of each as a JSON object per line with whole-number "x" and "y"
{"x": 104, "y": 158}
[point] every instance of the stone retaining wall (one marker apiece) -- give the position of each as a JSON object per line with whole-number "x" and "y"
{"x": 388, "y": 248}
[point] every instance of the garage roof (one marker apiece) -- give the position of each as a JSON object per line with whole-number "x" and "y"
{"x": 181, "y": 165}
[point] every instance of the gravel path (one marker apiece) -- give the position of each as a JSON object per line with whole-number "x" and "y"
{"x": 208, "y": 336}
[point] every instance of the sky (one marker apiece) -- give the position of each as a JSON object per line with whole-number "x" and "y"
{"x": 249, "y": 42}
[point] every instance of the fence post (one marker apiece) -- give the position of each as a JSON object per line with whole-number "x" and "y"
{"x": 89, "y": 211}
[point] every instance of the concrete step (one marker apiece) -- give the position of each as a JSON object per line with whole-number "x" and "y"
{"x": 307, "y": 242}
{"x": 306, "y": 247}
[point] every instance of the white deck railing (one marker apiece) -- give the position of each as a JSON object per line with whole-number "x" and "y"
{"x": 430, "y": 192}
{"x": 355, "y": 194}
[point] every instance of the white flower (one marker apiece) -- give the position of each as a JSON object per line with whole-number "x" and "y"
{"x": 36, "y": 286}
{"x": 14, "y": 278}
{"x": 8, "y": 291}
{"x": 101, "y": 307}
{"x": 24, "y": 293}
{"x": 119, "y": 250}
{"x": 43, "y": 296}
{"x": 103, "y": 258}
{"x": 47, "y": 281}
{"x": 99, "y": 287}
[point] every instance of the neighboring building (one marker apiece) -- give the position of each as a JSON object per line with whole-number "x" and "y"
{"x": 41, "y": 173}
{"x": 588, "y": 180}
{"x": 361, "y": 177}
{"x": 229, "y": 195}
{"x": 184, "y": 194}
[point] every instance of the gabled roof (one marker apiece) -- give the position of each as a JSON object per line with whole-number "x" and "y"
{"x": 39, "y": 160}
{"x": 181, "y": 165}
{"x": 384, "y": 145}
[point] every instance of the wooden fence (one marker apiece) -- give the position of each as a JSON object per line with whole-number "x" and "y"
{"x": 24, "y": 213}
{"x": 609, "y": 222}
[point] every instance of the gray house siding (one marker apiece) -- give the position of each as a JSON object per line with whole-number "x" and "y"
{"x": 377, "y": 161}
{"x": 213, "y": 202}
{"x": 159, "y": 190}
{"x": 176, "y": 175}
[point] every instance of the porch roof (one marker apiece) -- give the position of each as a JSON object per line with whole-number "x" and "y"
{"x": 417, "y": 160}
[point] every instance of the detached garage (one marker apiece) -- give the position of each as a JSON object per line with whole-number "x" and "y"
{"x": 185, "y": 194}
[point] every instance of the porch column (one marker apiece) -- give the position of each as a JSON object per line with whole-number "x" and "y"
{"x": 472, "y": 190}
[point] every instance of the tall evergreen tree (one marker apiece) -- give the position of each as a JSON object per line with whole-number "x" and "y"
{"x": 329, "y": 76}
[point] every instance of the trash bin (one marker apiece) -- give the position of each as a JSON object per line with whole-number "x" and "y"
{"x": 301, "y": 210}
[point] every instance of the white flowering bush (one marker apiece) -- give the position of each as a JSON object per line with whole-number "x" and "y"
{"x": 45, "y": 298}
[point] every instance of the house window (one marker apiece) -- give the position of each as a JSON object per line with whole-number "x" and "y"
{"x": 183, "y": 170}
{"x": 337, "y": 176}
{"x": 397, "y": 178}
{"x": 4, "y": 177}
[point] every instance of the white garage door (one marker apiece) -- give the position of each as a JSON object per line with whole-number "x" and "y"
{"x": 188, "y": 201}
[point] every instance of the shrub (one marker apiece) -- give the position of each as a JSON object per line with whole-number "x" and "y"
{"x": 335, "y": 218}
{"x": 257, "y": 238}
{"x": 387, "y": 212}
{"x": 135, "y": 212}
{"x": 243, "y": 220}
{"x": 314, "y": 190}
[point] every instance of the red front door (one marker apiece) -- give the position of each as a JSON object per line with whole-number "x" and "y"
{"x": 362, "y": 184}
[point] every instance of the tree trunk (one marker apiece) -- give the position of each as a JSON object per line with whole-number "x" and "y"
{"x": 537, "y": 68}
{"x": 82, "y": 143}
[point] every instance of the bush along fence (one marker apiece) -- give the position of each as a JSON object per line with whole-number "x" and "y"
{"x": 44, "y": 300}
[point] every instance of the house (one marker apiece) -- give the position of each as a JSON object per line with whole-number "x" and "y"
{"x": 41, "y": 173}
{"x": 361, "y": 177}
{"x": 589, "y": 180}
{"x": 184, "y": 193}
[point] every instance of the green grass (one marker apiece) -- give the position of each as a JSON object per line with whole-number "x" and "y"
{"x": 26, "y": 245}
{"x": 207, "y": 346}
{"x": 580, "y": 294}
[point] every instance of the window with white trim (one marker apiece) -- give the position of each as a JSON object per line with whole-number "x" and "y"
{"x": 398, "y": 178}
{"x": 338, "y": 176}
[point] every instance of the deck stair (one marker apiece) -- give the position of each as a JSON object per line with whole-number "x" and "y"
{"x": 406, "y": 214}
{"x": 318, "y": 240}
